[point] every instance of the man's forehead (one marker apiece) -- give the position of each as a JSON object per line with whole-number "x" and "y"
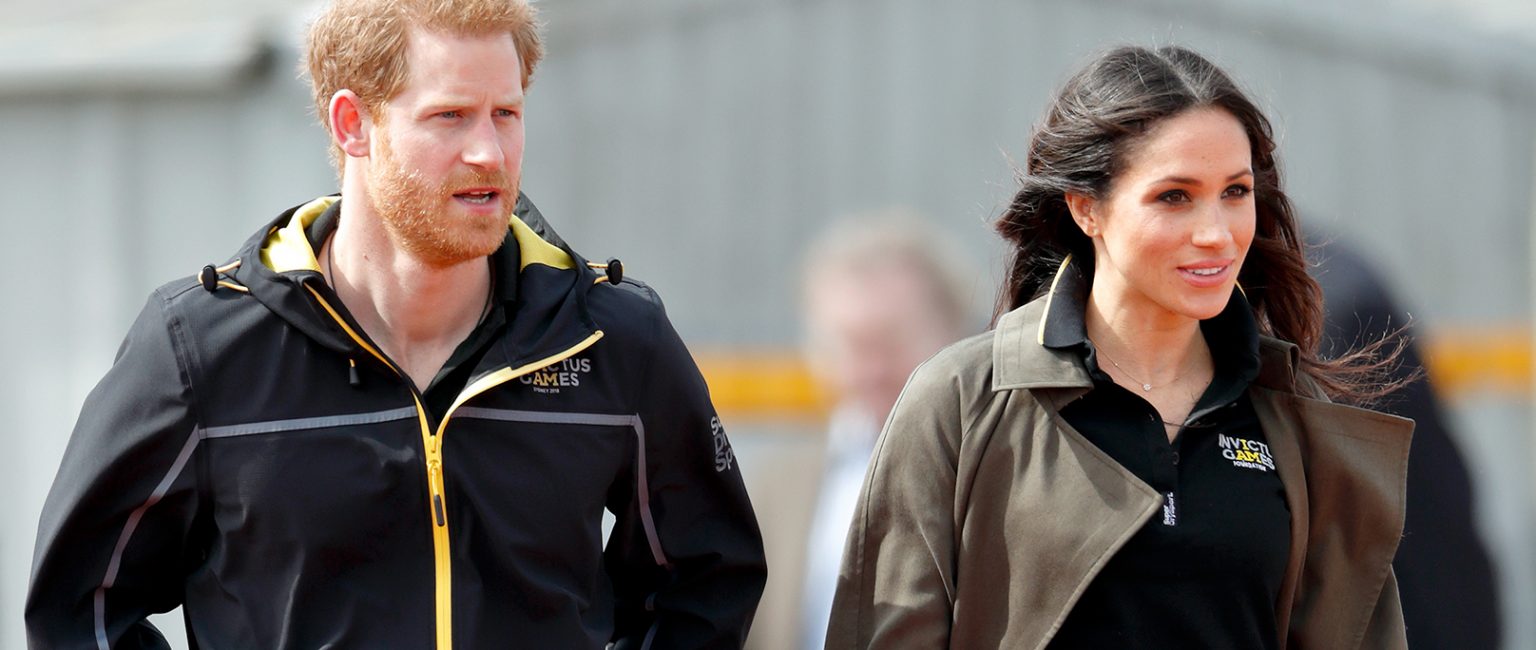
{"x": 459, "y": 95}
{"x": 443, "y": 67}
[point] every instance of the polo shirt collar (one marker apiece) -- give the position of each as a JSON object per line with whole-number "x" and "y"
{"x": 1045, "y": 342}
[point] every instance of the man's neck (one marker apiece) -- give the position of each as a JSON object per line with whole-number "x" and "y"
{"x": 418, "y": 313}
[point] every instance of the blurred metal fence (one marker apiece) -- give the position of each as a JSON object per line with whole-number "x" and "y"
{"x": 703, "y": 142}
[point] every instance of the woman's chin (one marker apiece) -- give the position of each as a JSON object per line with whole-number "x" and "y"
{"x": 1203, "y": 307}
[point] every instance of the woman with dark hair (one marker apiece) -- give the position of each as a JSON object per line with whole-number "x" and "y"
{"x": 1144, "y": 452}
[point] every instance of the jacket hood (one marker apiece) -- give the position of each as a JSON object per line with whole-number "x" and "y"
{"x": 278, "y": 266}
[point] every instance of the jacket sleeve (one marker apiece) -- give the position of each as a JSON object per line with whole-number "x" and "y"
{"x": 686, "y": 555}
{"x": 897, "y": 584}
{"x": 111, "y": 543}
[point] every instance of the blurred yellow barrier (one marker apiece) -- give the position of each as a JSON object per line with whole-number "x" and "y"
{"x": 762, "y": 385}
{"x": 775, "y": 384}
{"x": 1481, "y": 362}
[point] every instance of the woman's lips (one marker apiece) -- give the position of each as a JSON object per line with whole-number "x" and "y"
{"x": 1206, "y": 274}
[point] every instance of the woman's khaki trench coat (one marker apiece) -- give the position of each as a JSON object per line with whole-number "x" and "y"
{"x": 984, "y": 515}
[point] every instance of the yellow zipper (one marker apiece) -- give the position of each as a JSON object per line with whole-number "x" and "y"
{"x": 509, "y": 373}
{"x": 435, "y": 481}
{"x": 432, "y": 443}
{"x": 437, "y": 506}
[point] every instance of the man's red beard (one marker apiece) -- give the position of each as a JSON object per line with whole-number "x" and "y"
{"x": 419, "y": 215}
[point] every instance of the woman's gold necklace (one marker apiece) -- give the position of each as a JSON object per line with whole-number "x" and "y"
{"x": 1144, "y": 385}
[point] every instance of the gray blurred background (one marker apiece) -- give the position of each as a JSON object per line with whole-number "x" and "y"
{"x": 704, "y": 142}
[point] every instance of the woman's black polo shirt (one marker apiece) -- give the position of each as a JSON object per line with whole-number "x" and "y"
{"x": 1205, "y": 571}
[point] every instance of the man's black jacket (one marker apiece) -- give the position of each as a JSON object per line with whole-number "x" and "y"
{"x": 253, "y": 457}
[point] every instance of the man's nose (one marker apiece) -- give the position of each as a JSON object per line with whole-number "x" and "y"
{"x": 482, "y": 147}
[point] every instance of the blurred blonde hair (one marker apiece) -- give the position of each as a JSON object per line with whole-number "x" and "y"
{"x": 360, "y": 45}
{"x": 890, "y": 239}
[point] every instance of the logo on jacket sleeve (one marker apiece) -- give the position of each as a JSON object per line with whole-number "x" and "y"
{"x": 567, "y": 373}
{"x": 1250, "y": 454}
{"x": 724, "y": 456}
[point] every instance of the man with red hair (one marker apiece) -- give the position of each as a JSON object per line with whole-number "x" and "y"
{"x": 395, "y": 418}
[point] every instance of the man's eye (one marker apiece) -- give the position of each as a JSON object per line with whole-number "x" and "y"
{"x": 448, "y": 114}
{"x": 506, "y": 112}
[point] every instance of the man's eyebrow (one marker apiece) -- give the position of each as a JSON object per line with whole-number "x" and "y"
{"x": 458, "y": 101}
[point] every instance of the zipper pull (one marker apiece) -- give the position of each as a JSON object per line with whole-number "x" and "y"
{"x": 352, "y": 377}
{"x": 435, "y": 485}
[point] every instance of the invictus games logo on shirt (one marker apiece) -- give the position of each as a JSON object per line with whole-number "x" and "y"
{"x": 724, "y": 456}
{"x": 1246, "y": 453}
{"x": 568, "y": 373}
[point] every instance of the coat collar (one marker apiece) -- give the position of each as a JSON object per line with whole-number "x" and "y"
{"x": 1021, "y": 360}
{"x": 1034, "y": 345}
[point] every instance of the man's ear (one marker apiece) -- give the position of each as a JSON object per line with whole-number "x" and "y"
{"x": 350, "y": 123}
{"x": 1085, "y": 213}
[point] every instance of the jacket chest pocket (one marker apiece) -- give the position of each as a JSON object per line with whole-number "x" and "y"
{"x": 316, "y": 481}
{"x": 532, "y": 467}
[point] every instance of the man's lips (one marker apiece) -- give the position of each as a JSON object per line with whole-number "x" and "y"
{"x": 478, "y": 195}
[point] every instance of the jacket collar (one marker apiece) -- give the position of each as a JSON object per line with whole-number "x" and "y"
{"x": 1020, "y": 360}
{"x": 505, "y": 264}
{"x": 541, "y": 280}
{"x": 1037, "y": 345}
{"x": 286, "y": 245}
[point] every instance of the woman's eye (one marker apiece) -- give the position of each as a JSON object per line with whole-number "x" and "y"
{"x": 1238, "y": 191}
{"x": 1173, "y": 196}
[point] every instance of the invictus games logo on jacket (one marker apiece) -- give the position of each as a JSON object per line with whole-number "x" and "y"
{"x": 1246, "y": 453}
{"x": 568, "y": 373}
{"x": 724, "y": 456}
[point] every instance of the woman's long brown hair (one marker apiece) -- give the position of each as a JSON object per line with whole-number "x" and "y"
{"x": 1079, "y": 148}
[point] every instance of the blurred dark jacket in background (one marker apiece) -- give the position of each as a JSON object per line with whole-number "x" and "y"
{"x": 1450, "y": 600}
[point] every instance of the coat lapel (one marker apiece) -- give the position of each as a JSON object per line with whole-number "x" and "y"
{"x": 1344, "y": 470}
{"x": 1095, "y": 505}
{"x": 1280, "y": 428}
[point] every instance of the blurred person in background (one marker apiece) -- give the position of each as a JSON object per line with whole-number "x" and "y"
{"x": 395, "y": 419}
{"x": 1143, "y": 453}
{"x": 882, "y": 292}
{"x": 1445, "y": 577}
